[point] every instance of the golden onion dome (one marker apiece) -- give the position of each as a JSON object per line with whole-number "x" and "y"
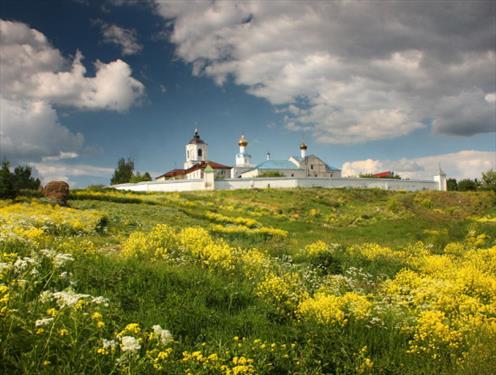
{"x": 303, "y": 146}
{"x": 242, "y": 141}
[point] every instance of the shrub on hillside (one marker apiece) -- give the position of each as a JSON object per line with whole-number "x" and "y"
{"x": 489, "y": 180}
{"x": 467, "y": 185}
{"x": 451, "y": 184}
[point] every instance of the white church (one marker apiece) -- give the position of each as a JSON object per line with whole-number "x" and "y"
{"x": 304, "y": 166}
{"x": 200, "y": 173}
{"x": 196, "y": 163}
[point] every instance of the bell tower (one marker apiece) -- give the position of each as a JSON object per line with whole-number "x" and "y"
{"x": 196, "y": 151}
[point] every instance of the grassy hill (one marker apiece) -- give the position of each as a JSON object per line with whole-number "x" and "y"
{"x": 304, "y": 281}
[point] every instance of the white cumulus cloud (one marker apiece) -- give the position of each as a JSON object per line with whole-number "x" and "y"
{"x": 30, "y": 129}
{"x": 349, "y": 71}
{"x": 127, "y": 39}
{"x": 61, "y": 156}
{"x": 35, "y": 77}
{"x": 462, "y": 164}
{"x": 49, "y": 171}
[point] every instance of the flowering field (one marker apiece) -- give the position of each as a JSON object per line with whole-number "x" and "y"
{"x": 308, "y": 281}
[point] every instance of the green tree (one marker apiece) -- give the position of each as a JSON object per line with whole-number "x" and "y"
{"x": 489, "y": 180}
{"x": 147, "y": 177}
{"x": 137, "y": 177}
{"x": 23, "y": 179}
{"x": 452, "y": 184}
{"x": 467, "y": 185}
{"x": 123, "y": 172}
{"x": 7, "y": 188}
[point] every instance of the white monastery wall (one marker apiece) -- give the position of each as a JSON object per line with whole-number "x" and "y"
{"x": 196, "y": 151}
{"x": 164, "y": 186}
{"x": 278, "y": 183}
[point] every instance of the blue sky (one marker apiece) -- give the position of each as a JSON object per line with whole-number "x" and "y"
{"x": 365, "y": 94}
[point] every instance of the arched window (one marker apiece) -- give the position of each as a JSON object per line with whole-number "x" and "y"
{"x": 199, "y": 152}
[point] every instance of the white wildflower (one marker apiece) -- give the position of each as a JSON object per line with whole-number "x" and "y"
{"x": 22, "y": 264}
{"x": 68, "y": 298}
{"x": 46, "y": 296}
{"x": 100, "y": 301}
{"x": 163, "y": 334}
{"x": 60, "y": 259}
{"x": 48, "y": 253}
{"x": 42, "y": 322}
{"x": 5, "y": 266}
{"x": 129, "y": 343}
{"x": 109, "y": 344}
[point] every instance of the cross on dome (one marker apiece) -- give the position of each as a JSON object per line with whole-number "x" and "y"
{"x": 196, "y": 138}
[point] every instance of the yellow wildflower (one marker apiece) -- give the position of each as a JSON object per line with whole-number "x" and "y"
{"x": 63, "y": 332}
{"x": 52, "y": 311}
{"x": 96, "y": 316}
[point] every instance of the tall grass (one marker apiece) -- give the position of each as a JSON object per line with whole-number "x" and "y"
{"x": 155, "y": 288}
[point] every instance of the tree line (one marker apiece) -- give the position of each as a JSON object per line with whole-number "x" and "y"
{"x": 487, "y": 182}
{"x": 12, "y": 183}
{"x": 125, "y": 173}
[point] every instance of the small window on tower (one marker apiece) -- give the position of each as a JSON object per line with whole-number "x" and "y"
{"x": 311, "y": 166}
{"x": 199, "y": 152}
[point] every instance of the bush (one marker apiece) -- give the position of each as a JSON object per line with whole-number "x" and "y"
{"x": 489, "y": 180}
{"x": 451, "y": 184}
{"x": 467, "y": 185}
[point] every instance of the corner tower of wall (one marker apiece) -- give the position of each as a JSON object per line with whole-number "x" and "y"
{"x": 441, "y": 180}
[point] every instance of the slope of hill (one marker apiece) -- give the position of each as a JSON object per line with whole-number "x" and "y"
{"x": 306, "y": 281}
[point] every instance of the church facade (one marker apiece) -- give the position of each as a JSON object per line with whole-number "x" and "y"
{"x": 197, "y": 161}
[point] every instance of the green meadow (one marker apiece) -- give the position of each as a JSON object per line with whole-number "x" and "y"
{"x": 296, "y": 281}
